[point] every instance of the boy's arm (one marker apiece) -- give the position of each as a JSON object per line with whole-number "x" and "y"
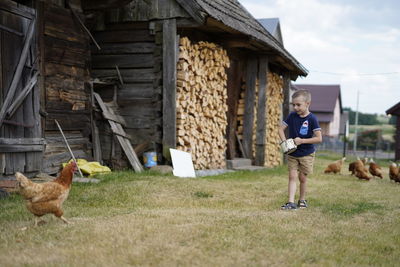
{"x": 281, "y": 132}
{"x": 316, "y": 139}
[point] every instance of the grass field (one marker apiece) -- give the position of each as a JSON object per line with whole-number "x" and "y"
{"x": 226, "y": 220}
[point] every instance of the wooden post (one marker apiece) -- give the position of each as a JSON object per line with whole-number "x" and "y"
{"x": 397, "y": 140}
{"x": 248, "y": 118}
{"x": 286, "y": 95}
{"x": 169, "y": 51}
{"x": 286, "y": 102}
{"x": 261, "y": 119}
{"x": 233, "y": 85}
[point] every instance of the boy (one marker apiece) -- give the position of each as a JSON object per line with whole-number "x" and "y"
{"x": 305, "y": 130}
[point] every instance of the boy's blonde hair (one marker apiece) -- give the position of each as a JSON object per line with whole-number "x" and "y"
{"x": 304, "y": 93}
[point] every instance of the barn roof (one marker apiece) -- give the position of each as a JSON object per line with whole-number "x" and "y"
{"x": 323, "y": 96}
{"x": 395, "y": 110}
{"x": 232, "y": 14}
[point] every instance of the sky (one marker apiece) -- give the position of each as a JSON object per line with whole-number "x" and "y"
{"x": 354, "y": 43}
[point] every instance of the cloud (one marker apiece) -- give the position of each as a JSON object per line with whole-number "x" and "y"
{"x": 349, "y": 37}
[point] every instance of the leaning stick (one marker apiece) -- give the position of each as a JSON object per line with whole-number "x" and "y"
{"x": 69, "y": 148}
{"x": 119, "y": 75}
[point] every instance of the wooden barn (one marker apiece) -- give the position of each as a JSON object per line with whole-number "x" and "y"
{"x": 198, "y": 75}
{"x": 395, "y": 111}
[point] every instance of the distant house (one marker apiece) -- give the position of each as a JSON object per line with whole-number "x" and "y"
{"x": 326, "y": 104}
{"x": 273, "y": 26}
{"x": 395, "y": 111}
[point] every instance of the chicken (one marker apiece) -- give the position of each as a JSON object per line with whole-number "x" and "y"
{"x": 363, "y": 175}
{"x": 335, "y": 167}
{"x": 375, "y": 169}
{"x": 359, "y": 170}
{"x": 364, "y": 161}
{"x": 394, "y": 173}
{"x": 44, "y": 198}
{"x": 358, "y": 164}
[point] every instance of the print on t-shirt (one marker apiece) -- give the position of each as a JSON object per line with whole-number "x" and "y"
{"x": 304, "y": 128}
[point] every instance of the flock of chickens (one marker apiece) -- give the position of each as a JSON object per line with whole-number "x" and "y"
{"x": 359, "y": 169}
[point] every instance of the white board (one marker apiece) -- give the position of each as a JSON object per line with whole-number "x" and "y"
{"x": 182, "y": 163}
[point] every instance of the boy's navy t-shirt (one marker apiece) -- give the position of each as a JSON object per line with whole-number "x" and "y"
{"x": 303, "y": 128}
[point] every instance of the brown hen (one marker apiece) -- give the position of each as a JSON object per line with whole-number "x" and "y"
{"x": 44, "y": 198}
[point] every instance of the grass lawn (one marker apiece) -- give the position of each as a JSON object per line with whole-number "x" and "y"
{"x": 226, "y": 220}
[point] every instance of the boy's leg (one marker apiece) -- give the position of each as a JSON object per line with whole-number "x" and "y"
{"x": 292, "y": 184}
{"x": 303, "y": 185}
{"x": 306, "y": 168}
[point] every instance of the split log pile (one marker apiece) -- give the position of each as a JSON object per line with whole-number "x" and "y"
{"x": 273, "y": 155}
{"x": 201, "y": 103}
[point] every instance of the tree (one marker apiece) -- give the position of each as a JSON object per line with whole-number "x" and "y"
{"x": 393, "y": 120}
{"x": 370, "y": 139}
{"x": 363, "y": 118}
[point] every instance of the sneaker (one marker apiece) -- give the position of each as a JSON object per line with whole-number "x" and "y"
{"x": 302, "y": 204}
{"x": 289, "y": 206}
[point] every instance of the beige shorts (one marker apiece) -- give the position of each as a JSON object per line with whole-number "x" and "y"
{"x": 302, "y": 164}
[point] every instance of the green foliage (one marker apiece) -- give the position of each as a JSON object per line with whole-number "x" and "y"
{"x": 393, "y": 120}
{"x": 370, "y": 139}
{"x": 363, "y": 118}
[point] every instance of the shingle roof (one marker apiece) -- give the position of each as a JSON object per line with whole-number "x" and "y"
{"x": 232, "y": 14}
{"x": 323, "y": 97}
{"x": 323, "y": 116}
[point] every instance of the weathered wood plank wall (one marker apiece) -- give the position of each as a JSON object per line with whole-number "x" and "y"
{"x": 133, "y": 48}
{"x": 65, "y": 60}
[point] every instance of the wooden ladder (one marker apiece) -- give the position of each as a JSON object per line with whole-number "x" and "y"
{"x": 116, "y": 123}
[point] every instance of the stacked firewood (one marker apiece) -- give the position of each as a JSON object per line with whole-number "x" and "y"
{"x": 273, "y": 155}
{"x": 201, "y": 102}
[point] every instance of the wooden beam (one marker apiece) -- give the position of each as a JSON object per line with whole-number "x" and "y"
{"x": 18, "y": 71}
{"x": 21, "y": 97}
{"x": 248, "y": 120}
{"x": 169, "y": 85}
{"x": 18, "y": 9}
{"x": 261, "y": 119}
{"x": 22, "y": 141}
{"x": 114, "y": 117}
{"x": 192, "y": 8}
{"x": 286, "y": 95}
{"x": 234, "y": 72}
{"x": 5, "y": 28}
{"x": 18, "y": 124}
{"x": 21, "y": 148}
{"x": 122, "y": 137}
{"x": 397, "y": 140}
{"x": 286, "y": 101}
{"x": 83, "y": 26}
